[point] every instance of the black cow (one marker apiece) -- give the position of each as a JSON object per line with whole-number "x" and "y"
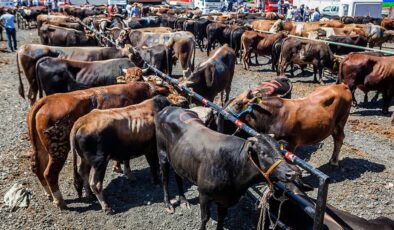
{"x": 60, "y": 36}
{"x": 200, "y": 31}
{"x": 57, "y": 75}
{"x": 215, "y": 33}
{"x": 158, "y": 55}
{"x": 218, "y": 164}
{"x": 357, "y": 40}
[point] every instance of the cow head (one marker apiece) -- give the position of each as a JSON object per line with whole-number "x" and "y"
{"x": 135, "y": 57}
{"x": 205, "y": 72}
{"x": 122, "y": 38}
{"x": 266, "y": 152}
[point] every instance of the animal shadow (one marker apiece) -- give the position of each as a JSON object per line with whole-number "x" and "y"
{"x": 349, "y": 169}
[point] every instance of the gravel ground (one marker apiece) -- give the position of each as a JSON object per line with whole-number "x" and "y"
{"x": 362, "y": 186}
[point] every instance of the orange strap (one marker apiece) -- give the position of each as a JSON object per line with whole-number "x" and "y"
{"x": 269, "y": 171}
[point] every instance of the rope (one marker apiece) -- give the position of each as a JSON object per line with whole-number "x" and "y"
{"x": 265, "y": 208}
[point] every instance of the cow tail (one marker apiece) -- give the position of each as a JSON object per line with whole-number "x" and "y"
{"x": 78, "y": 182}
{"x": 169, "y": 60}
{"x": 32, "y": 130}
{"x": 340, "y": 75}
{"x": 38, "y": 80}
{"x": 21, "y": 88}
{"x": 194, "y": 54}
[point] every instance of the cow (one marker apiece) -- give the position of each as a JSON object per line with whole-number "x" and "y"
{"x": 28, "y": 55}
{"x": 159, "y": 56}
{"x": 215, "y": 34}
{"x": 298, "y": 51}
{"x": 387, "y": 23}
{"x": 51, "y": 118}
{"x": 130, "y": 131}
{"x": 290, "y": 120}
{"x": 57, "y": 75}
{"x": 200, "y": 31}
{"x": 214, "y": 75}
{"x": 369, "y": 72}
{"x": 181, "y": 42}
{"x": 58, "y": 20}
{"x": 259, "y": 43}
{"x": 280, "y": 87}
{"x": 138, "y": 23}
{"x": 25, "y": 16}
{"x": 215, "y": 162}
{"x": 60, "y": 36}
{"x": 357, "y": 40}
{"x": 295, "y": 217}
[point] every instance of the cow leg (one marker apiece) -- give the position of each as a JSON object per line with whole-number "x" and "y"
{"x": 354, "y": 98}
{"x": 165, "y": 167}
{"x": 116, "y": 167}
{"x": 375, "y": 98}
{"x": 39, "y": 171}
{"x": 182, "y": 199}
{"x": 205, "y": 205}
{"x": 245, "y": 58}
{"x": 386, "y": 102}
{"x": 222, "y": 212}
{"x": 314, "y": 73}
{"x": 127, "y": 171}
{"x": 96, "y": 184}
{"x": 338, "y": 136}
{"x": 51, "y": 175}
{"x": 321, "y": 75}
{"x": 84, "y": 171}
{"x": 255, "y": 57}
{"x": 291, "y": 69}
{"x": 154, "y": 167}
{"x": 365, "y": 97}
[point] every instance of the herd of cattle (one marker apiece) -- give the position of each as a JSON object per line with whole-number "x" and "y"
{"x": 102, "y": 104}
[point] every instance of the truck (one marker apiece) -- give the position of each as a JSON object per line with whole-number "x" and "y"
{"x": 205, "y": 5}
{"x": 372, "y": 8}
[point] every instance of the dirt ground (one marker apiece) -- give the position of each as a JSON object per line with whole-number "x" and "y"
{"x": 362, "y": 186}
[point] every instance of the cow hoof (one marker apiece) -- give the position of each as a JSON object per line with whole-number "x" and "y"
{"x": 117, "y": 170}
{"x": 60, "y": 205}
{"x": 109, "y": 211}
{"x": 334, "y": 165}
{"x": 185, "y": 205}
{"x": 170, "y": 209}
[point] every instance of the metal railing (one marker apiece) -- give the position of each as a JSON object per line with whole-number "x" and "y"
{"x": 331, "y": 42}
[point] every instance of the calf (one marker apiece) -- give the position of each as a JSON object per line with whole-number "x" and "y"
{"x": 57, "y": 75}
{"x": 60, "y": 36}
{"x": 297, "y": 51}
{"x": 369, "y": 72}
{"x": 291, "y": 120}
{"x": 216, "y": 163}
{"x": 259, "y": 43}
{"x": 118, "y": 134}
{"x": 51, "y": 118}
{"x": 214, "y": 75}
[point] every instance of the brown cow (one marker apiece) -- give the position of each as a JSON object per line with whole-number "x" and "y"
{"x": 387, "y": 23}
{"x": 131, "y": 132}
{"x": 259, "y": 43}
{"x": 369, "y": 72}
{"x": 302, "y": 52}
{"x": 184, "y": 50}
{"x": 28, "y": 55}
{"x": 60, "y": 36}
{"x": 214, "y": 75}
{"x": 51, "y": 118}
{"x": 291, "y": 120}
{"x": 57, "y": 20}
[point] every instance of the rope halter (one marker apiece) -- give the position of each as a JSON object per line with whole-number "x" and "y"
{"x": 269, "y": 171}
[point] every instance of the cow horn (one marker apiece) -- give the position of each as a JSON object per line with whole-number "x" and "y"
{"x": 271, "y": 135}
{"x": 253, "y": 139}
{"x": 145, "y": 71}
{"x": 124, "y": 71}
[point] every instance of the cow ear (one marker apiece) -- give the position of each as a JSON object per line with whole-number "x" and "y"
{"x": 209, "y": 78}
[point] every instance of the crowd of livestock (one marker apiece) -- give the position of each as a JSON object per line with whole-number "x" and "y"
{"x": 102, "y": 103}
